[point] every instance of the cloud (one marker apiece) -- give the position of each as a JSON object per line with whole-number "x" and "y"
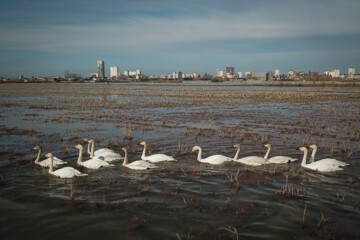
{"x": 151, "y": 33}
{"x": 192, "y": 31}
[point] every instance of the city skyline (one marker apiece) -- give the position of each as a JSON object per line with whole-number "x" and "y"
{"x": 45, "y": 38}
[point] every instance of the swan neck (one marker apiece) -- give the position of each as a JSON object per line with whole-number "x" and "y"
{"x": 237, "y": 154}
{"x": 144, "y": 151}
{"x": 267, "y": 153}
{"x": 80, "y": 156}
{"x": 125, "y": 159}
{"x": 199, "y": 154}
{"x": 89, "y": 148}
{"x": 92, "y": 150}
{"x": 303, "y": 163}
{"x": 38, "y": 156}
{"x": 51, "y": 164}
{"x": 312, "y": 157}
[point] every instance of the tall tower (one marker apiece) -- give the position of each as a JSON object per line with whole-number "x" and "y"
{"x": 351, "y": 71}
{"x": 101, "y": 68}
{"x": 277, "y": 73}
{"x": 229, "y": 71}
{"x": 114, "y": 71}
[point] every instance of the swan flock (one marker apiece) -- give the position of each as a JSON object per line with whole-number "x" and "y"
{"x": 103, "y": 157}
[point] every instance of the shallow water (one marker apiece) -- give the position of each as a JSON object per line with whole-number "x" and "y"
{"x": 183, "y": 199}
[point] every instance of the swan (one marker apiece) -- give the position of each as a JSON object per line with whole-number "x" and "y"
{"x": 108, "y": 154}
{"x": 66, "y": 172}
{"x": 93, "y": 163}
{"x": 277, "y": 159}
{"x": 155, "y": 157}
{"x": 318, "y": 165}
{"x": 250, "y": 160}
{"x": 47, "y": 162}
{"x": 325, "y": 160}
{"x": 137, "y": 165}
{"x": 214, "y": 159}
{"x": 99, "y": 151}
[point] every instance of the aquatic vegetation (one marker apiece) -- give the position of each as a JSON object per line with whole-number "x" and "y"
{"x": 184, "y": 199}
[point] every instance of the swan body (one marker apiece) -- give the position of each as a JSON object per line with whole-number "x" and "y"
{"x": 250, "y": 160}
{"x": 47, "y": 162}
{"x": 329, "y": 161}
{"x": 137, "y": 165}
{"x": 321, "y": 166}
{"x": 277, "y": 159}
{"x": 155, "y": 158}
{"x": 66, "y": 172}
{"x": 107, "y": 154}
{"x": 93, "y": 163}
{"x": 214, "y": 159}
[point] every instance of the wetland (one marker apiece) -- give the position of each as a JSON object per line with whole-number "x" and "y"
{"x": 184, "y": 199}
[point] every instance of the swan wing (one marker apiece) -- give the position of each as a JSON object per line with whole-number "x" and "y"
{"x": 140, "y": 165}
{"x": 95, "y": 163}
{"x": 110, "y": 156}
{"x": 216, "y": 159}
{"x": 103, "y": 151}
{"x": 331, "y": 161}
{"x": 158, "y": 158}
{"x": 252, "y": 160}
{"x": 47, "y": 162}
{"x": 323, "y": 166}
{"x": 281, "y": 159}
{"x": 67, "y": 172}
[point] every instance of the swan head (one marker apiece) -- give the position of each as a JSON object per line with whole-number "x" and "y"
{"x": 267, "y": 145}
{"x": 143, "y": 143}
{"x": 37, "y": 147}
{"x": 86, "y": 139}
{"x": 304, "y": 149}
{"x": 124, "y": 149}
{"x": 91, "y": 141}
{"x": 196, "y": 148}
{"x": 79, "y": 146}
{"x": 237, "y": 145}
{"x": 49, "y": 155}
{"x": 313, "y": 146}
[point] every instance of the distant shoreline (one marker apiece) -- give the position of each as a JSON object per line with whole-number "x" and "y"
{"x": 247, "y": 83}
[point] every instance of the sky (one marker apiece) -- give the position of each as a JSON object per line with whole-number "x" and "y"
{"x": 47, "y": 37}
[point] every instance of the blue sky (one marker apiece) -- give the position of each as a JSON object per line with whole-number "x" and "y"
{"x": 45, "y": 37}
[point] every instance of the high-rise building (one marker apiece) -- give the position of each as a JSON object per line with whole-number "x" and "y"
{"x": 126, "y": 73}
{"x": 114, "y": 71}
{"x": 138, "y": 72}
{"x": 333, "y": 73}
{"x": 219, "y": 73}
{"x": 351, "y": 71}
{"x": 177, "y": 75}
{"x": 240, "y": 74}
{"x": 277, "y": 73}
{"x": 229, "y": 71}
{"x": 101, "y": 68}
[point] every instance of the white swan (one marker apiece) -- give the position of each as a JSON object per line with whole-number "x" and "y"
{"x": 155, "y": 157}
{"x": 250, "y": 160}
{"x": 47, "y": 162}
{"x": 108, "y": 154}
{"x": 93, "y": 163}
{"x": 318, "y": 165}
{"x": 325, "y": 160}
{"x": 214, "y": 159}
{"x": 277, "y": 159}
{"x": 137, "y": 165}
{"x": 66, "y": 172}
{"x": 97, "y": 152}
